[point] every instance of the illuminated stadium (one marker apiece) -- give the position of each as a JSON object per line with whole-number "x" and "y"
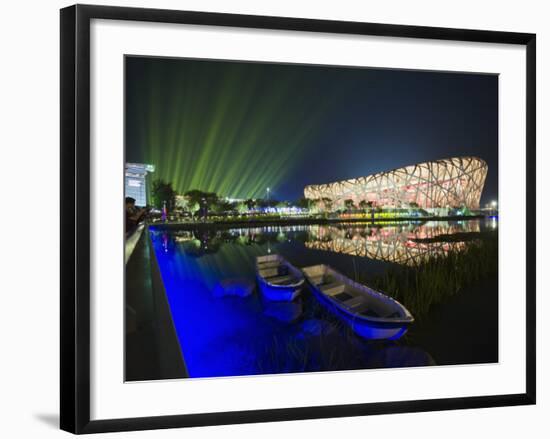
{"x": 448, "y": 183}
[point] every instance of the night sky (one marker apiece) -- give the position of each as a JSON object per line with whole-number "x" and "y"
{"x": 238, "y": 128}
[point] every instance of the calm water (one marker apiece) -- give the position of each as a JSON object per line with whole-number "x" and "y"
{"x": 229, "y": 331}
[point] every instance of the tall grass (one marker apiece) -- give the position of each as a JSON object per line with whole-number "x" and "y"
{"x": 440, "y": 276}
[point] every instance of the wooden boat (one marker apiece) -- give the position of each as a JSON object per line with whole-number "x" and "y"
{"x": 371, "y": 314}
{"x": 278, "y": 279}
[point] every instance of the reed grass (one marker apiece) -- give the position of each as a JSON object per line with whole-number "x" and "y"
{"x": 439, "y": 276}
{"x": 334, "y": 347}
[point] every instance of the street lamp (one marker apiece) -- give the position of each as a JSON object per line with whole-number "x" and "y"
{"x": 268, "y": 194}
{"x": 204, "y": 209}
{"x": 494, "y": 204}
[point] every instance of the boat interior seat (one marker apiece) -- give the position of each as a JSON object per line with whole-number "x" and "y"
{"x": 268, "y": 272}
{"x": 316, "y": 280}
{"x": 355, "y": 302}
{"x": 333, "y": 288}
{"x": 268, "y": 264}
{"x": 280, "y": 279}
{"x": 366, "y": 311}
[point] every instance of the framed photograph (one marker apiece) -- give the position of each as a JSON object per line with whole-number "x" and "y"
{"x": 267, "y": 219}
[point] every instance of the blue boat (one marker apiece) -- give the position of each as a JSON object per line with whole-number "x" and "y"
{"x": 370, "y": 314}
{"x": 278, "y": 279}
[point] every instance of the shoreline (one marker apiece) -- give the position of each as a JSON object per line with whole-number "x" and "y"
{"x": 303, "y": 221}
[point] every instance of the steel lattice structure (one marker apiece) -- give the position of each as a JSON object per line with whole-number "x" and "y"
{"x": 454, "y": 182}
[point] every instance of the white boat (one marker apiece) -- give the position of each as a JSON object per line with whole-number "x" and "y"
{"x": 370, "y": 314}
{"x": 278, "y": 279}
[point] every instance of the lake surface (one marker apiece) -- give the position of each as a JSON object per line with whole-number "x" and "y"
{"x": 234, "y": 331}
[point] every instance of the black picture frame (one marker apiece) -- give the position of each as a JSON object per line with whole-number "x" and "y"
{"x": 75, "y": 217}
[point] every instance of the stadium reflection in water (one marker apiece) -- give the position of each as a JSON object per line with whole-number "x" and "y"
{"x": 402, "y": 244}
{"x": 225, "y": 327}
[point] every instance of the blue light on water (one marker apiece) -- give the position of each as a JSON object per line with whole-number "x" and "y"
{"x": 224, "y": 325}
{"x": 218, "y": 336}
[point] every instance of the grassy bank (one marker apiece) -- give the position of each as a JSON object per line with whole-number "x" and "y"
{"x": 438, "y": 277}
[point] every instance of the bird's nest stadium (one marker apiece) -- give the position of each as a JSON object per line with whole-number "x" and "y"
{"x": 448, "y": 183}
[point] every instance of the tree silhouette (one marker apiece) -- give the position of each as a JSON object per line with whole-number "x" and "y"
{"x": 162, "y": 192}
{"x": 349, "y": 204}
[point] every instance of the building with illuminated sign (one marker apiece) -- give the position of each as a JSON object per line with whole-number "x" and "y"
{"x": 135, "y": 182}
{"x": 441, "y": 184}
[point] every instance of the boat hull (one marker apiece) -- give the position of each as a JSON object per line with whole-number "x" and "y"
{"x": 361, "y": 326}
{"x": 279, "y": 281}
{"x": 277, "y": 293}
{"x": 370, "y": 313}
